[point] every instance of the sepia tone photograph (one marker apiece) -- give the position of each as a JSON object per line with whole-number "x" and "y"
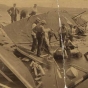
{"x": 43, "y": 44}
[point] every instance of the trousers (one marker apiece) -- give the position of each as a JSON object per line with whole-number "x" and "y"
{"x": 13, "y": 18}
{"x": 34, "y": 43}
{"x": 40, "y": 43}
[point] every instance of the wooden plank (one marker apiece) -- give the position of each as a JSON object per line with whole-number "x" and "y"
{"x": 30, "y": 55}
{"x": 49, "y": 80}
{"x": 17, "y": 67}
{"x": 3, "y": 86}
{"x": 1, "y": 72}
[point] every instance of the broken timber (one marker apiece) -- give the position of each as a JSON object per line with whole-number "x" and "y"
{"x": 3, "y": 86}
{"x": 29, "y": 54}
{"x": 17, "y": 67}
{"x": 2, "y": 73}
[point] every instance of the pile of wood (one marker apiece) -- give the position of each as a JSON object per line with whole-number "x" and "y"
{"x": 38, "y": 72}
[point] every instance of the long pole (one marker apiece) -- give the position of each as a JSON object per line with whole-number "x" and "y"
{"x": 78, "y": 14}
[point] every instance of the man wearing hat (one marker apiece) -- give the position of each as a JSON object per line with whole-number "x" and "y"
{"x": 13, "y": 11}
{"x": 40, "y": 37}
{"x": 34, "y": 10}
{"x": 33, "y": 34}
{"x": 39, "y": 30}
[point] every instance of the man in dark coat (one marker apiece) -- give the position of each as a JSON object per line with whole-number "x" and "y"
{"x": 23, "y": 14}
{"x": 13, "y": 11}
{"x": 33, "y": 34}
{"x": 40, "y": 34}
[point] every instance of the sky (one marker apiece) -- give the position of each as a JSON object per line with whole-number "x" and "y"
{"x": 47, "y": 3}
{"x": 30, "y": 3}
{"x": 73, "y": 3}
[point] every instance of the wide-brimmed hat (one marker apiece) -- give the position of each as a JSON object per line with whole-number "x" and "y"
{"x": 43, "y": 22}
{"x": 14, "y": 3}
{"x": 35, "y": 4}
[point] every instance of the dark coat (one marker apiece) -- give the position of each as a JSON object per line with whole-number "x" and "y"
{"x": 12, "y": 12}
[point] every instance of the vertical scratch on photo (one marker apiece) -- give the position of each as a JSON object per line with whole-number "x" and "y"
{"x": 59, "y": 31}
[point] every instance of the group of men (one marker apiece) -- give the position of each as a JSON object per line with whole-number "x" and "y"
{"x": 66, "y": 39}
{"x": 41, "y": 37}
{"x": 13, "y": 11}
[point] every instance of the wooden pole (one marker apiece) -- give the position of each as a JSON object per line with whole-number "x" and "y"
{"x": 4, "y": 86}
{"x": 78, "y": 14}
{"x": 2, "y": 73}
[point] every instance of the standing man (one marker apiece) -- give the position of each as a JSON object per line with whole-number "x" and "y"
{"x": 40, "y": 37}
{"x": 23, "y": 14}
{"x": 68, "y": 47}
{"x": 47, "y": 37}
{"x": 34, "y": 10}
{"x": 51, "y": 34}
{"x": 13, "y": 11}
{"x": 33, "y": 34}
{"x": 62, "y": 33}
{"x": 39, "y": 30}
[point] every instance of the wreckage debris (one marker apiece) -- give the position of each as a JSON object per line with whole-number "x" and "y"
{"x": 72, "y": 73}
{"x": 86, "y": 56}
{"x": 38, "y": 70}
{"x": 76, "y": 53}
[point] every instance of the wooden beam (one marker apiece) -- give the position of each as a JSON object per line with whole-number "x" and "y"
{"x": 17, "y": 67}
{"x": 78, "y": 14}
{"x": 4, "y": 86}
{"x": 2, "y": 73}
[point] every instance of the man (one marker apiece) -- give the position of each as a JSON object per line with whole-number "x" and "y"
{"x": 13, "y": 11}
{"x": 34, "y": 10}
{"x": 68, "y": 47}
{"x": 48, "y": 35}
{"x": 33, "y": 34}
{"x": 51, "y": 34}
{"x": 62, "y": 33}
{"x": 80, "y": 31}
{"x": 39, "y": 30}
{"x": 23, "y": 14}
{"x": 74, "y": 30}
{"x": 46, "y": 42}
{"x": 70, "y": 32}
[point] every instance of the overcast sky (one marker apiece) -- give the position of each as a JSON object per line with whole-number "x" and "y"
{"x": 74, "y": 3}
{"x": 44, "y": 3}
{"x": 29, "y": 3}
